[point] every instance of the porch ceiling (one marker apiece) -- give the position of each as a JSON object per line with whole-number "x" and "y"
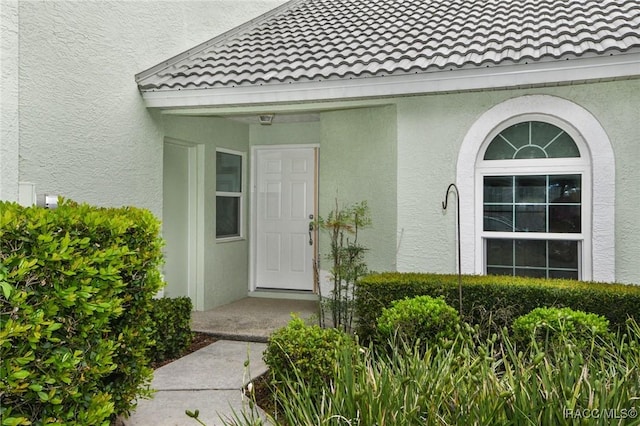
{"x": 337, "y": 49}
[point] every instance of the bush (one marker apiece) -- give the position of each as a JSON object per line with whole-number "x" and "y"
{"x": 171, "y": 327}
{"x": 558, "y": 326}
{"x": 420, "y": 318}
{"x": 494, "y": 300}
{"x": 307, "y": 352}
{"x": 474, "y": 384}
{"x": 76, "y": 285}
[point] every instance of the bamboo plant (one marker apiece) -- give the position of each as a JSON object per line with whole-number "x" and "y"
{"x": 346, "y": 255}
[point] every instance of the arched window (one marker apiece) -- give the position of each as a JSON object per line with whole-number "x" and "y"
{"x": 536, "y": 177}
{"x": 531, "y": 139}
{"x": 535, "y": 218}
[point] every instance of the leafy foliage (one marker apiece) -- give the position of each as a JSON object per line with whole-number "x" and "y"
{"x": 473, "y": 382}
{"x": 76, "y": 285}
{"x": 422, "y": 318}
{"x": 307, "y": 352}
{"x": 555, "y": 326}
{"x": 171, "y": 327}
{"x": 494, "y": 300}
{"x": 347, "y": 258}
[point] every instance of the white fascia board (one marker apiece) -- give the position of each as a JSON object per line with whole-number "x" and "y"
{"x": 536, "y": 74}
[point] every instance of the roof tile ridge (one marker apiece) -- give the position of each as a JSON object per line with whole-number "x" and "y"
{"x": 289, "y": 5}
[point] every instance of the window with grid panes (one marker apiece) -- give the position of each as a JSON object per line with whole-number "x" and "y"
{"x": 532, "y": 202}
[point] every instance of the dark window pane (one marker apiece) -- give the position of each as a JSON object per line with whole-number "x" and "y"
{"x": 531, "y": 189}
{"x": 531, "y": 253}
{"x": 534, "y": 273}
{"x": 517, "y": 135}
{"x": 565, "y": 219}
{"x": 227, "y": 217}
{"x": 499, "y": 252}
{"x": 498, "y": 218}
{"x": 562, "y": 147}
{"x": 563, "y": 254}
{"x": 498, "y": 189}
{"x": 499, "y": 149}
{"x": 569, "y": 275}
{"x": 531, "y": 219}
{"x": 532, "y": 151}
{"x": 228, "y": 172}
{"x": 533, "y": 258}
{"x": 565, "y": 189}
{"x": 499, "y": 271}
{"x": 552, "y": 138}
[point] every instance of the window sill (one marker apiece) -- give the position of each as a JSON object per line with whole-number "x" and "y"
{"x": 229, "y": 239}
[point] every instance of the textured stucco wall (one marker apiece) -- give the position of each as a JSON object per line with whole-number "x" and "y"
{"x": 401, "y": 159}
{"x": 9, "y": 115}
{"x": 358, "y": 162}
{"x": 84, "y": 130}
{"x": 617, "y": 107}
{"x": 226, "y": 271}
{"x": 285, "y": 133}
{"x": 430, "y": 131}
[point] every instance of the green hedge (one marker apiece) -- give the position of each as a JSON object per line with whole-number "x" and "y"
{"x": 498, "y": 299}
{"x": 76, "y": 288}
{"x": 171, "y": 327}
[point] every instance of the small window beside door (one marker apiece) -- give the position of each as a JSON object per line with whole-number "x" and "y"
{"x": 229, "y": 194}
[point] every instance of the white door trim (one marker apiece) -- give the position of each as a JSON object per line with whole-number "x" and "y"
{"x": 253, "y": 208}
{"x": 195, "y": 279}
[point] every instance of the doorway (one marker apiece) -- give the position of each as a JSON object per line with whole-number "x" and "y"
{"x": 284, "y": 205}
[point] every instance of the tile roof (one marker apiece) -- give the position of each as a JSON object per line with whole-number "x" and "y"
{"x": 319, "y": 40}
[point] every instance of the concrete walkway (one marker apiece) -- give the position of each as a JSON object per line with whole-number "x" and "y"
{"x": 252, "y": 318}
{"x": 211, "y": 378}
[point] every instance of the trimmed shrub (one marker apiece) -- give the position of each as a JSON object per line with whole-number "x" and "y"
{"x": 421, "y": 318}
{"x": 494, "y": 299}
{"x": 171, "y": 327}
{"x": 76, "y": 285}
{"x": 558, "y": 326}
{"x": 307, "y": 352}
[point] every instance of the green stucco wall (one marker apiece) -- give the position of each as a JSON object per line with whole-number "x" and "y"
{"x": 358, "y": 162}
{"x": 430, "y": 132}
{"x": 400, "y": 157}
{"x": 226, "y": 269}
{"x": 617, "y": 107}
{"x": 285, "y": 133}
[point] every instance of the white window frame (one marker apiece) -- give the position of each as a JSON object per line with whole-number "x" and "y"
{"x": 596, "y": 150}
{"x": 538, "y": 167}
{"x": 241, "y": 195}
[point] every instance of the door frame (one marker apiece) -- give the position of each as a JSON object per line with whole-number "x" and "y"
{"x": 253, "y": 208}
{"x": 195, "y": 182}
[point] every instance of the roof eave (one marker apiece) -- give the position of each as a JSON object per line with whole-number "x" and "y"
{"x": 474, "y": 79}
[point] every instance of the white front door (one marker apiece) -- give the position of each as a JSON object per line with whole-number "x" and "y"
{"x": 285, "y": 194}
